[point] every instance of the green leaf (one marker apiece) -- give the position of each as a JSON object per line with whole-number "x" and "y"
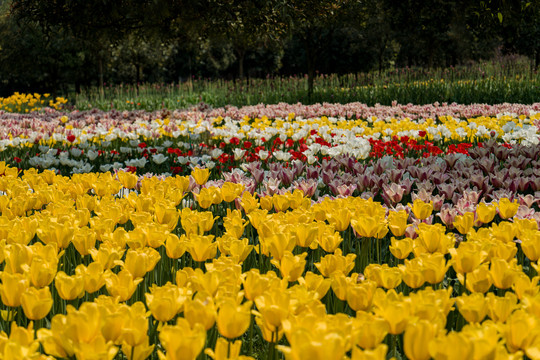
{"x": 500, "y": 15}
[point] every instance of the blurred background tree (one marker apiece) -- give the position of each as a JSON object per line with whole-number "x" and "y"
{"x": 64, "y": 45}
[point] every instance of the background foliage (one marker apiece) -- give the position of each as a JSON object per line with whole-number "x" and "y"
{"x": 60, "y": 46}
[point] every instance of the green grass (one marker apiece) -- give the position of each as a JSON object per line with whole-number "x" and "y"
{"x": 465, "y": 85}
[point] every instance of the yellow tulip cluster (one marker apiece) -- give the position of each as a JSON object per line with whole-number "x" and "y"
{"x": 101, "y": 269}
{"x": 30, "y": 102}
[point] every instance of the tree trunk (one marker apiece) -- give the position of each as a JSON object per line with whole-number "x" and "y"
{"x": 310, "y": 59}
{"x": 100, "y": 70}
{"x": 241, "y": 55}
{"x": 138, "y": 77}
{"x": 381, "y": 54}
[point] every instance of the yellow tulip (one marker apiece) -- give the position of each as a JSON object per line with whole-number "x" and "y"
{"x": 121, "y": 285}
{"x": 340, "y": 284}
{"x": 478, "y": 280}
{"x": 314, "y": 282}
{"x": 255, "y": 283}
{"x": 180, "y": 183}
{"x": 164, "y": 302}
{"x": 238, "y": 249}
{"x": 42, "y": 271}
{"x": 230, "y": 191}
{"x": 504, "y": 231}
{"x": 266, "y": 203}
{"x": 84, "y": 239}
{"x": 56, "y": 341}
{"x": 93, "y": 275}
{"x": 339, "y": 218}
{"x": 69, "y": 287}
{"x": 452, "y": 346}
{"x": 98, "y": 348}
{"x": 305, "y": 234}
{"x": 233, "y": 320}
{"x": 205, "y": 220}
{"x": 485, "y": 212}
{"x": 139, "y": 352}
{"x": 421, "y": 210}
{"x": 53, "y": 232}
{"x": 175, "y": 247}
{"x": 135, "y": 325}
{"x": 205, "y": 198}
{"x": 279, "y": 243}
{"x": 273, "y": 307}
{"x": 432, "y": 305}
{"x": 467, "y": 257}
{"x": 181, "y": 342}
{"x": 127, "y": 179}
{"x": 329, "y": 240}
{"x": 249, "y": 202}
{"x": 523, "y": 286}
{"x": 500, "y": 308}
{"x": 202, "y": 247}
{"x": 269, "y": 332}
{"x": 156, "y": 235}
{"x": 306, "y": 345}
{"x": 432, "y": 238}
{"x": 370, "y": 330}
{"x": 234, "y": 223}
{"x": 379, "y": 353}
{"x": 360, "y": 296}
{"x": 401, "y": 248}
{"x": 520, "y": 330}
{"x": 291, "y": 266}
{"x": 412, "y": 273}
{"x": 17, "y": 257}
{"x": 530, "y": 244}
{"x": 397, "y": 222}
{"x": 507, "y": 209}
{"x": 20, "y": 344}
{"x": 200, "y": 310}
{"x": 107, "y": 255}
{"x": 369, "y": 226}
{"x": 503, "y": 273}
{"x": 417, "y": 339}
{"x": 280, "y": 202}
{"x": 200, "y": 175}
{"x": 434, "y": 267}
{"x": 472, "y": 307}
{"x": 485, "y": 339}
{"x": 464, "y": 223}
{"x": 391, "y": 307}
{"x": 83, "y": 324}
{"x": 36, "y": 303}
{"x": 383, "y": 275}
{"x": 226, "y": 351}
{"x": 166, "y": 214}
{"x": 140, "y": 261}
{"x": 336, "y": 263}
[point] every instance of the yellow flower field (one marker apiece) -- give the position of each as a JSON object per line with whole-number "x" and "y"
{"x": 97, "y": 266}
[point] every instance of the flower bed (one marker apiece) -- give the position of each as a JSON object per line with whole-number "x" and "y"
{"x": 297, "y": 235}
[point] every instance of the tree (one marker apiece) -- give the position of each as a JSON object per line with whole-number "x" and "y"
{"x": 313, "y": 21}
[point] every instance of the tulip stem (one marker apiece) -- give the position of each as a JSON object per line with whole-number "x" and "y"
{"x": 251, "y": 335}
{"x": 378, "y": 241}
{"x": 393, "y": 349}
